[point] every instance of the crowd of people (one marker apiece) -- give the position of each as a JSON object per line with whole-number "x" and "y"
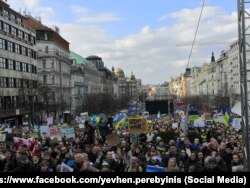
{"x": 214, "y": 148}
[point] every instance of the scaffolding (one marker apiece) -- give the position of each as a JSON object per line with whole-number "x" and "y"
{"x": 244, "y": 55}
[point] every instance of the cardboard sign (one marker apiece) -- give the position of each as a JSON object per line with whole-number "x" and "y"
{"x": 137, "y": 125}
{"x": 113, "y": 139}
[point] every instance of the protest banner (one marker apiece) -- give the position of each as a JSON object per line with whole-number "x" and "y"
{"x": 199, "y": 123}
{"x": 236, "y": 123}
{"x": 70, "y": 132}
{"x": 55, "y": 132}
{"x": 137, "y": 125}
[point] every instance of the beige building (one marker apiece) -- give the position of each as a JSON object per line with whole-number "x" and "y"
{"x": 128, "y": 86}
{"x": 53, "y": 67}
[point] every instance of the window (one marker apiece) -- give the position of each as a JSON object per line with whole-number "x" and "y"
{"x": 11, "y": 82}
{"x": 52, "y": 63}
{"x": 44, "y": 79}
{"x": 10, "y": 46}
{"x": 6, "y": 27}
{"x": 11, "y": 64}
{"x": 3, "y": 82}
{"x": 44, "y": 63}
{"x": 13, "y": 17}
{"x": 29, "y": 84}
{"x": 46, "y": 49}
{"x": 2, "y": 63}
{"x": 24, "y": 50}
{"x": 18, "y": 83}
{"x": 5, "y": 12}
{"x": 25, "y": 84}
{"x": 34, "y": 84}
{"x": 17, "y": 49}
{"x": 21, "y": 83}
{"x": 29, "y": 52}
{"x": 53, "y": 79}
{"x": 21, "y": 66}
{"x": 26, "y": 37}
{"x": 53, "y": 95}
{"x": 32, "y": 40}
{"x": 13, "y": 31}
{"x": 2, "y": 44}
{"x": 30, "y": 68}
{"x": 18, "y": 19}
{"x": 20, "y": 34}
{"x": 45, "y": 36}
{"x": 24, "y": 67}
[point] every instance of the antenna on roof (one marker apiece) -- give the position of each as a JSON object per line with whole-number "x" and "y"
{"x": 25, "y": 11}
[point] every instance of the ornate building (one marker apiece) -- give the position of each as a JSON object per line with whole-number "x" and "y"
{"x": 53, "y": 65}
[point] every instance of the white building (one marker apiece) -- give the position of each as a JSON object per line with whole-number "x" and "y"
{"x": 53, "y": 65}
{"x": 234, "y": 71}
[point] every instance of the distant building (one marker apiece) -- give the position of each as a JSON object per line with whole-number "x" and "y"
{"x": 85, "y": 79}
{"x": 128, "y": 86}
{"x": 107, "y": 77}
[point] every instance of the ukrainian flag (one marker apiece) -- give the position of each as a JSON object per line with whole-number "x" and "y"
{"x": 119, "y": 120}
{"x": 226, "y": 119}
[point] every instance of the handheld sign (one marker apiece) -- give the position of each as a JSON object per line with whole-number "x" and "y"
{"x": 137, "y": 125}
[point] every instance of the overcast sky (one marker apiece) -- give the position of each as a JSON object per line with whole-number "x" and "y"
{"x": 145, "y": 37}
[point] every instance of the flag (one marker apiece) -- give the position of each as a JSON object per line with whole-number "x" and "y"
{"x": 119, "y": 120}
{"x": 30, "y": 142}
{"x": 130, "y": 110}
{"x": 159, "y": 114}
{"x": 226, "y": 119}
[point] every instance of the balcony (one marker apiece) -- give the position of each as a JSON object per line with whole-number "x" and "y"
{"x": 7, "y": 17}
{"x": 55, "y": 54}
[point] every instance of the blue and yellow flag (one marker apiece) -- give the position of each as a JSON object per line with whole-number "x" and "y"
{"x": 119, "y": 120}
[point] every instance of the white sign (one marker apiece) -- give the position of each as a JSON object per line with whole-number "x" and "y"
{"x": 199, "y": 123}
{"x": 175, "y": 125}
{"x": 236, "y": 123}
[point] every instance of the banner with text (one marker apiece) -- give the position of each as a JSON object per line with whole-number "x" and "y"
{"x": 137, "y": 125}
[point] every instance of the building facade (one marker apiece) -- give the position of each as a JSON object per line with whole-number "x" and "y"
{"x": 53, "y": 67}
{"x": 18, "y": 68}
{"x": 85, "y": 79}
{"x": 107, "y": 77}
